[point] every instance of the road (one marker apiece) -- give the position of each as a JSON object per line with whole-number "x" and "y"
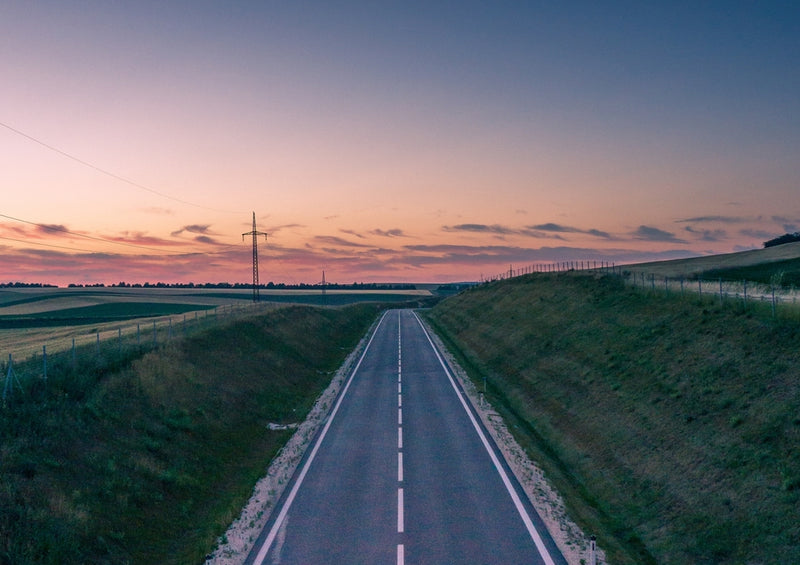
{"x": 403, "y": 473}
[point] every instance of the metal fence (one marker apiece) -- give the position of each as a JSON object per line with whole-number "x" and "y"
{"x": 71, "y": 360}
{"x": 747, "y": 292}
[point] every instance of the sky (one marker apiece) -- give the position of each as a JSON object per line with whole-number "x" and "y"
{"x": 389, "y": 141}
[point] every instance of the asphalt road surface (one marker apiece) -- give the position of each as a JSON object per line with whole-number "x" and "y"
{"x": 403, "y": 472}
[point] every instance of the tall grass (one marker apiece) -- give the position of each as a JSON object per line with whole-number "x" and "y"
{"x": 670, "y": 424}
{"x": 150, "y": 460}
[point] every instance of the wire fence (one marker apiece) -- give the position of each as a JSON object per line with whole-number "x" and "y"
{"x": 67, "y": 362}
{"x": 747, "y": 292}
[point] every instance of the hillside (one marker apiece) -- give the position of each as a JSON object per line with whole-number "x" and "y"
{"x": 696, "y": 266}
{"x": 670, "y": 424}
{"x": 148, "y": 459}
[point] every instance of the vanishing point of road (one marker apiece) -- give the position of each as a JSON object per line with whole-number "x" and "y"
{"x": 403, "y": 472}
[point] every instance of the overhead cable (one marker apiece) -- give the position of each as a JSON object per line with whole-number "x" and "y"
{"x": 110, "y": 174}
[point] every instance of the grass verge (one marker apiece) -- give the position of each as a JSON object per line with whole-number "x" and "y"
{"x": 149, "y": 462}
{"x": 670, "y": 424}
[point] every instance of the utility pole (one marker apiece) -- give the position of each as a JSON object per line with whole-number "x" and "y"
{"x": 255, "y": 233}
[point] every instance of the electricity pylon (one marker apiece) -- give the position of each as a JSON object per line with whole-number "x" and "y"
{"x": 255, "y": 233}
{"x": 324, "y": 285}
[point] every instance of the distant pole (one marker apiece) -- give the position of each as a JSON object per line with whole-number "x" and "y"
{"x": 255, "y": 233}
{"x": 11, "y": 378}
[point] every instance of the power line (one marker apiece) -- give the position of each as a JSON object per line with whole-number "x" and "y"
{"x": 46, "y": 244}
{"x": 65, "y": 230}
{"x": 110, "y": 174}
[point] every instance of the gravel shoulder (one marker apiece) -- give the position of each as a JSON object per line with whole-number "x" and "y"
{"x": 237, "y": 542}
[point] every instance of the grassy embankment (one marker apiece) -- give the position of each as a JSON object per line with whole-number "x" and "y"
{"x": 670, "y": 424}
{"x": 785, "y": 273}
{"x": 148, "y": 461}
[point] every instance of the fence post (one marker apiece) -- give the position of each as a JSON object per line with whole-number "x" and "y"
{"x": 773, "y": 301}
{"x": 138, "y": 336}
{"x": 700, "y": 287}
{"x": 98, "y": 343}
{"x": 11, "y": 377}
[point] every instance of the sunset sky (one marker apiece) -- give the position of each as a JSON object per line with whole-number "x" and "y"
{"x": 390, "y": 141}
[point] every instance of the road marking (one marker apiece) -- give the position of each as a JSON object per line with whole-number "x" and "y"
{"x": 276, "y": 526}
{"x": 400, "y": 467}
{"x": 399, "y": 388}
{"x": 400, "y": 519}
{"x": 401, "y": 554}
{"x": 526, "y": 519}
{"x": 399, "y": 400}
{"x": 399, "y": 438}
{"x": 399, "y": 416}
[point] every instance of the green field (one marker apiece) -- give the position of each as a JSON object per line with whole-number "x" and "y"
{"x": 670, "y": 424}
{"x": 783, "y": 274}
{"x": 31, "y": 318}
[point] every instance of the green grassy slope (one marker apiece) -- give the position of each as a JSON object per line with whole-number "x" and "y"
{"x": 670, "y": 424}
{"x": 150, "y": 462}
{"x": 784, "y": 273}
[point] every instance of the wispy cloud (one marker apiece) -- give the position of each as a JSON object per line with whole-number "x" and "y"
{"x": 388, "y": 233}
{"x": 558, "y": 228}
{"x": 648, "y": 233}
{"x": 761, "y": 235}
{"x": 141, "y": 238}
{"x": 495, "y": 229}
{"x": 193, "y": 228}
{"x": 353, "y": 233}
{"x": 500, "y": 231}
{"x": 207, "y": 240}
{"x": 275, "y": 230}
{"x": 707, "y": 235}
{"x": 337, "y": 241}
{"x": 714, "y": 219}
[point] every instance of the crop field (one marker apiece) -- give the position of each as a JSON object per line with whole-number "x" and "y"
{"x": 757, "y": 259}
{"x": 62, "y": 318}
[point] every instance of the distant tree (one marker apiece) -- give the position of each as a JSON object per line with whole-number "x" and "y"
{"x": 786, "y": 238}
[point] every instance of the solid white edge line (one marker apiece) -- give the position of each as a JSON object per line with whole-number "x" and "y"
{"x": 262, "y": 554}
{"x": 526, "y": 519}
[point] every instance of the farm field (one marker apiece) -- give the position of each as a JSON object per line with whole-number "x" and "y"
{"x": 755, "y": 260}
{"x": 31, "y": 318}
